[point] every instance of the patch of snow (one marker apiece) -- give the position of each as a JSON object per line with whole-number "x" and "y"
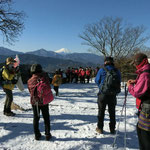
{"x": 73, "y": 122}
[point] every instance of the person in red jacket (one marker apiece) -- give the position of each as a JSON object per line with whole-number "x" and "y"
{"x": 79, "y": 74}
{"x": 36, "y": 71}
{"x": 88, "y": 73}
{"x": 82, "y": 76}
{"x": 76, "y": 75}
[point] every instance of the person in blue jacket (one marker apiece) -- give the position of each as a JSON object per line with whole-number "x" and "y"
{"x": 106, "y": 99}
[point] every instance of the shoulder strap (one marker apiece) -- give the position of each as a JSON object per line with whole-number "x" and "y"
{"x": 105, "y": 69}
{"x": 109, "y": 70}
{"x": 146, "y": 71}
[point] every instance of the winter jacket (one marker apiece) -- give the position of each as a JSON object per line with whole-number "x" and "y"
{"x": 33, "y": 81}
{"x": 7, "y": 75}
{"x": 141, "y": 89}
{"x": 82, "y": 73}
{"x": 88, "y": 72}
{"x": 57, "y": 80}
{"x": 77, "y": 72}
{"x": 100, "y": 77}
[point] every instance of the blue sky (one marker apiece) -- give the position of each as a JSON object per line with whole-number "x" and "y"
{"x": 56, "y": 24}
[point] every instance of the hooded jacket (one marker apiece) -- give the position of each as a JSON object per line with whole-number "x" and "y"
{"x": 141, "y": 89}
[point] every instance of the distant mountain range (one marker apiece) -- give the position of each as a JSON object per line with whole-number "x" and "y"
{"x": 51, "y": 60}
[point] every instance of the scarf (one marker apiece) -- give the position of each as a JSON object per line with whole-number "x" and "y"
{"x": 144, "y": 62}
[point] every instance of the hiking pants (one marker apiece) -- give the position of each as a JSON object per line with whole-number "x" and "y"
{"x": 88, "y": 78}
{"x": 8, "y": 101}
{"x": 45, "y": 113}
{"x": 103, "y": 101}
{"x": 56, "y": 89}
{"x": 144, "y": 139}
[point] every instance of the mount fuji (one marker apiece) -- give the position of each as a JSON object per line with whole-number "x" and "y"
{"x": 63, "y": 51}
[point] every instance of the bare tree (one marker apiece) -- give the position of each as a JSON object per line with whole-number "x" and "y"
{"x": 11, "y": 22}
{"x": 111, "y": 37}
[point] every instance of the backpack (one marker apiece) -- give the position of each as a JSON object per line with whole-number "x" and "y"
{"x": 1, "y": 78}
{"x": 111, "y": 85}
{"x": 42, "y": 92}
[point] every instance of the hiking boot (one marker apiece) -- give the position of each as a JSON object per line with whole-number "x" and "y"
{"x": 112, "y": 131}
{"x": 100, "y": 131}
{"x": 37, "y": 137}
{"x": 9, "y": 113}
{"x": 48, "y": 137}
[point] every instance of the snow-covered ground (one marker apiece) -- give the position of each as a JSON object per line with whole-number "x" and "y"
{"x": 73, "y": 122}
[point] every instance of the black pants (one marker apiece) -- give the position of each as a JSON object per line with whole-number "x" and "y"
{"x": 8, "y": 101}
{"x": 56, "y": 90}
{"x": 46, "y": 117}
{"x": 88, "y": 78}
{"x": 144, "y": 139}
{"x": 103, "y": 101}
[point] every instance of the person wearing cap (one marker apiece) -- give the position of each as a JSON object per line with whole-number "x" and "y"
{"x": 38, "y": 73}
{"x": 140, "y": 89}
{"x": 105, "y": 99}
{"x": 9, "y": 81}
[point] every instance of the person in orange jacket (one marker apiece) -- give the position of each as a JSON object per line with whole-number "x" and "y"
{"x": 57, "y": 80}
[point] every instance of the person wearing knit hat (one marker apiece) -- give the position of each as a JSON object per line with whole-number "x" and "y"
{"x": 39, "y": 76}
{"x": 8, "y": 83}
{"x": 140, "y": 89}
{"x": 107, "y": 99}
{"x": 10, "y": 60}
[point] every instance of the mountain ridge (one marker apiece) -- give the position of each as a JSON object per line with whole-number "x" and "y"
{"x": 51, "y": 59}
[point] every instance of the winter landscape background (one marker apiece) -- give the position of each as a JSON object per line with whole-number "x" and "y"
{"x": 73, "y": 122}
{"x": 50, "y": 60}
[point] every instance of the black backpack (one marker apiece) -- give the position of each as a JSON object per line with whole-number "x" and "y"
{"x": 111, "y": 85}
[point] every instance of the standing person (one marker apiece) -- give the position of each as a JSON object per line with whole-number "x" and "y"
{"x": 140, "y": 89}
{"x": 76, "y": 75}
{"x": 88, "y": 73}
{"x": 9, "y": 74}
{"x": 57, "y": 80}
{"x": 37, "y": 74}
{"x": 83, "y": 76}
{"x": 68, "y": 74}
{"x": 109, "y": 98}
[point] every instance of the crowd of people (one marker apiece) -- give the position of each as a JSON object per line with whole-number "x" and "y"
{"x": 139, "y": 88}
{"x": 78, "y": 75}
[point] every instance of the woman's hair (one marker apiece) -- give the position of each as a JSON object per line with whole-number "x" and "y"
{"x": 36, "y": 68}
{"x": 138, "y": 58}
{"x": 109, "y": 61}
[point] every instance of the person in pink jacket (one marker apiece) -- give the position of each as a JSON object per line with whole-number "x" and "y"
{"x": 140, "y": 89}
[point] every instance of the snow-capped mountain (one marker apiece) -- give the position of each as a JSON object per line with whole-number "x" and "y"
{"x": 63, "y": 51}
{"x": 86, "y": 59}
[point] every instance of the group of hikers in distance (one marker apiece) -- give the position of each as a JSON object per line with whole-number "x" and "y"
{"x": 81, "y": 74}
{"x": 108, "y": 79}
